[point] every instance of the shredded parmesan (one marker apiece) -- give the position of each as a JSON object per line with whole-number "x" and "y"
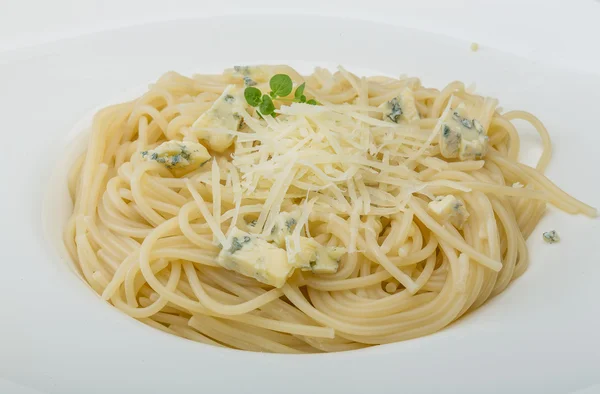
{"x": 337, "y": 159}
{"x": 237, "y": 196}
{"x": 216, "y": 191}
{"x": 210, "y": 220}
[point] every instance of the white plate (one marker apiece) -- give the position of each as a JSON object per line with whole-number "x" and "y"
{"x": 56, "y": 336}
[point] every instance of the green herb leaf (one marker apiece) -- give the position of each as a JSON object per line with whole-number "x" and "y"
{"x": 312, "y": 102}
{"x": 252, "y": 96}
{"x": 303, "y": 99}
{"x": 266, "y": 106}
{"x": 281, "y": 85}
{"x": 300, "y": 91}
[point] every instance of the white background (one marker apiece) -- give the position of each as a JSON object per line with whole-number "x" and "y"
{"x": 555, "y": 31}
{"x": 563, "y": 33}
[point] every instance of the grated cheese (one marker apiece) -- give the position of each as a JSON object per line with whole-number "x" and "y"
{"x": 237, "y": 196}
{"x": 210, "y": 220}
{"x": 335, "y": 159}
{"x": 216, "y": 190}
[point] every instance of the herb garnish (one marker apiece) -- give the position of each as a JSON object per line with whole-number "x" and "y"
{"x": 281, "y": 85}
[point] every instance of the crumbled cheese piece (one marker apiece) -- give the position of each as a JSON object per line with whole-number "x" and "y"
{"x": 253, "y": 74}
{"x": 283, "y": 227}
{"x": 178, "y": 154}
{"x": 255, "y": 258}
{"x": 313, "y": 256}
{"x": 449, "y": 208}
{"x": 401, "y": 108}
{"x": 551, "y": 237}
{"x": 224, "y": 114}
{"x": 460, "y": 135}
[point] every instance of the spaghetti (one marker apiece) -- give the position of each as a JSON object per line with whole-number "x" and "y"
{"x": 405, "y": 207}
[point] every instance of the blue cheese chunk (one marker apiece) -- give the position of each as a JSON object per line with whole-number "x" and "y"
{"x": 252, "y": 75}
{"x": 285, "y": 223}
{"x": 255, "y": 258}
{"x": 401, "y": 108}
{"x": 551, "y": 237}
{"x": 449, "y": 209}
{"x": 460, "y": 136}
{"x": 314, "y": 257}
{"x": 178, "y": 154}
{"x": 225, "y": 114}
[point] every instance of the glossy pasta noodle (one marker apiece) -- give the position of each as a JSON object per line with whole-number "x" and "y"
{"x": 425, "y": 229}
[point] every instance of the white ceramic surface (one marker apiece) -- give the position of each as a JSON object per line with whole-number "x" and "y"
{"x": 56, "y": 336}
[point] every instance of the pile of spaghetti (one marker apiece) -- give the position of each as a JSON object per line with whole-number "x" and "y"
{"x": 264, "y": 210}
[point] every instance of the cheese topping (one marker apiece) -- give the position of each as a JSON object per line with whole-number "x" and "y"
{"x": 253, "y": 74}
{"x": 314, "y": 257}
{"x": 461, "y": 136}
{"x": 224, "y": 115}
{"x": 349, "y": 163}
{"x": 178, "y": 154}
{"x": 551, "y": 237}
{"x": 284, "y": 225}
{"x": 254, "y": 257}
{"x": 449, "y": 209}
{"x": 401, "y": 108}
